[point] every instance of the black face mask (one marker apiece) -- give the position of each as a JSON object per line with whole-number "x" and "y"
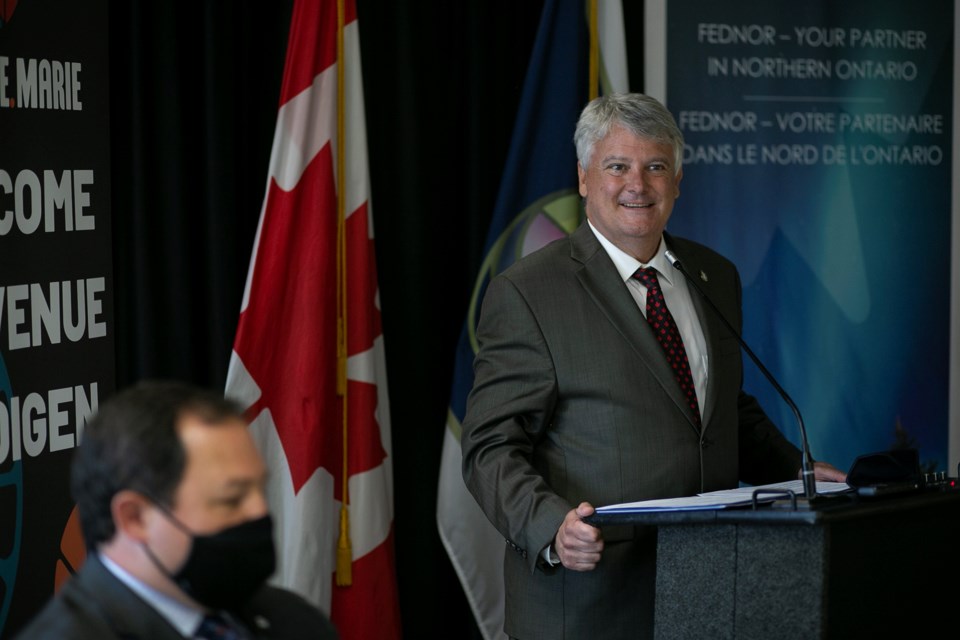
{"x": 224, "y": 569}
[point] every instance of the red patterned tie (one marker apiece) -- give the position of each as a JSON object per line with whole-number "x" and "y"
{"x": 664, "y": 327}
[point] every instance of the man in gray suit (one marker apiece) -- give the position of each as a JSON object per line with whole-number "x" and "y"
{"x": 576, "y": 402}
{"x": 170, "y": 489}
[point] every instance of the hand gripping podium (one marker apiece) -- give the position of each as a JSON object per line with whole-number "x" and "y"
{"x": 851, "y": 567}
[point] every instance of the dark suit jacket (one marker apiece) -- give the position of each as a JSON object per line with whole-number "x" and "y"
{"x": 95, "y": 604}
{"x": 573, "y": 401}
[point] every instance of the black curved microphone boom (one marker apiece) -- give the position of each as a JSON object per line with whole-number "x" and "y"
{"x": 809, "y": 479}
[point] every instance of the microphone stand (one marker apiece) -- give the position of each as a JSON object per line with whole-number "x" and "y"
{"x": 809, "y": 479}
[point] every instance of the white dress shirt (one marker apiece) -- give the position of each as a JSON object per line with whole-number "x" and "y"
{"x": 183, "y": 618}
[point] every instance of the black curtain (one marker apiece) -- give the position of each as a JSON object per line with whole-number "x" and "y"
{"x": 194, "y": 96}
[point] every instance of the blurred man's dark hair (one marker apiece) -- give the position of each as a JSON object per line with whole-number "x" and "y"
{"x": 132, "y": 443}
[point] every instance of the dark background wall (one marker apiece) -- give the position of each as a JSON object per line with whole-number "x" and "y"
{"x": 194, "y": 96}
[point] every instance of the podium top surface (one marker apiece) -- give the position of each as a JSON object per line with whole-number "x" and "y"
{"x": 823, "y": 510}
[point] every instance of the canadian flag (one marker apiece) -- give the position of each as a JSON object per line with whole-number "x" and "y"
{"x": 308, "y": 359}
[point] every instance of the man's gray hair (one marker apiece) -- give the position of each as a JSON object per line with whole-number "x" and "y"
{"x": 636, "y": 112}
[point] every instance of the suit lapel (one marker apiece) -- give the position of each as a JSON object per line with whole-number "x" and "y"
{"x": 711, "y": 327}
{"x": 602, "y": 282}
{"x": 710, "y": 324}
{"x": 129, "y": 616}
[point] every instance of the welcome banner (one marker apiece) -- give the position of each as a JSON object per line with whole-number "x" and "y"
{"x": 56, "y": 300}
{"x": 818, "y": 158}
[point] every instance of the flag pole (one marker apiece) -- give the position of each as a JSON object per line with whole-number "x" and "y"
{"x": 594, "y": 50}
{"x": 344, "y": 575}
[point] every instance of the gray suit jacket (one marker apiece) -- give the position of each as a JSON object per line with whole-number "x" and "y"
{"x": 95, "y": 604}
{"x": 573, "y": 401}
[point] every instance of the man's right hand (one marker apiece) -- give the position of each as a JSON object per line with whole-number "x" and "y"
{"x": 577, "y": 543}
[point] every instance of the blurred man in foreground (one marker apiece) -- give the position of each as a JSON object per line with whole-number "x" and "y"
{"x": 169, "y": 485}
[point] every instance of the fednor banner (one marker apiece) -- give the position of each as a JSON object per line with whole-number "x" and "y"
{"x": 537, "y": 203}
{"x": 818, "y": 158}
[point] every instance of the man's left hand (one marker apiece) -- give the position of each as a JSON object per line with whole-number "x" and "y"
{"x": 825, "y": 472}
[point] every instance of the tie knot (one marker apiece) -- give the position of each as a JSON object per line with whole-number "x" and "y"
{"x": 648, "y": 278}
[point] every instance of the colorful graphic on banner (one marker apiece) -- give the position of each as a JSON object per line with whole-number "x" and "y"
{"x": 818, "y": 146}
{"x": 56, "y": 279}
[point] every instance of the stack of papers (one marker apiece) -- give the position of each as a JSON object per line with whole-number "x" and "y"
{"x": 739, "y": 497}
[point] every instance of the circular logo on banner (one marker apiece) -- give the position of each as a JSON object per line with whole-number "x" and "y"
{"x": 7, "y": 8}
{"x": 11, "y": 502}
{"x": 554, "y": 216}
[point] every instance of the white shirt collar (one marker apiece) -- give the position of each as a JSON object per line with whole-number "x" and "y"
{"x": 627, "y": 265}
{"x": 183, "y": 618}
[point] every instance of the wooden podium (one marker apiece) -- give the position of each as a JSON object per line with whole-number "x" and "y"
{"x": 851, "y": 568}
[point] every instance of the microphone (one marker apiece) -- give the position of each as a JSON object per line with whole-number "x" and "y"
{"x": 809, "y": 479}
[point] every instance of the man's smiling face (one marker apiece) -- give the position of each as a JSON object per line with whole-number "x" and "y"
{"x": 630, "y": 186}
